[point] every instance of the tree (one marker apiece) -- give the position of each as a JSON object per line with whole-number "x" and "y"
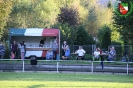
{"x": 68, "y": 20}
{"x": 104, "y": 37}
{"x": 68, "y": 32}
{"x": 83, "y": 38}
{"x": 68, "y": 15}
{"x": 33, "y": 13}
{"x": 92, "y": 22}
{"x": 97, "y": 17}
{"x": 109, "y": 5}
{"x": 5, "y": 9}
{"x": 124, "y": 24}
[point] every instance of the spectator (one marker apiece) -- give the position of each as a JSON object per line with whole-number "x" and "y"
{"x": 22, "y": 50}
{"x": 112, "y": 54}
{"x": 125, "y": 54}
{"x": 23, "y": 43}
{"x": 64, "y": 45}
{"x": 81, "y": 52}
{"x": 2, "y": 50}
{"x": 14, "y": 48}
{"x": 42, "y": 42}
{"x": 101, "y": 56}
{"x": 96, "y": 54}
{"x": 24, "y": 46}
{"x": 67, "y": 53}
{"x": 55, "y": 48}
{"x": 49, "y": 55}
{"x": 12, "y": 55}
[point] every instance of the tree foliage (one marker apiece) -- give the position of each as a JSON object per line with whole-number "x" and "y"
{"x": 44, "y": 13}
{"x": 97, "y": 17}
{"x": 5, "y": 9}
{"x": 68, "y": 32}
{"x": 124, "y": 25}
{"x": 68, "y": 15}
{"x": 109, "y": 5}
{"x": 104, "y": 37}
{"x": 37, "y": 13}
{"x": 83, "y": 37}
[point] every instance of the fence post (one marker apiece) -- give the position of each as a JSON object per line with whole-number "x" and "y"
{"x": 92, "y": 67}
{"x": 57, "y": 66}
{"x": 23, "y": 65}
{"x": 127, "y": 68}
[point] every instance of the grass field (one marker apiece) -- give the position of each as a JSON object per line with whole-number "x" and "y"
{"x": 53, "y": 80}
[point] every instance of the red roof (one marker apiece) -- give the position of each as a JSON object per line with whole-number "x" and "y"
{"x": 50, "y": 32}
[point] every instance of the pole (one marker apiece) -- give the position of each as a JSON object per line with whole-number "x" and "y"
{"x": 57, "y": 67}
{"x": 23, "y": 65}
{"x": 92, "y": 67}
{"x": 127, "y": 68}
{"x": 59, "y": 45}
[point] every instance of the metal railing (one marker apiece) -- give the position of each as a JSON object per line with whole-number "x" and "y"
{"x": 57, "y": 62}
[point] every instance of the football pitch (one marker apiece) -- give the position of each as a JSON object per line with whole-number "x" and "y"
{"x": 62, "y": 80}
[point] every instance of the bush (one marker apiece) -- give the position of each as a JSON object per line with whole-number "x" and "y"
{"x": 88, "y": 57}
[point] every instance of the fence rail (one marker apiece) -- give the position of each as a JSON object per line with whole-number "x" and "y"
{"x": 85, "y": 64}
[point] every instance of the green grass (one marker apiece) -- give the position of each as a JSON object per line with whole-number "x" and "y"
{"x": 53, "y": 80}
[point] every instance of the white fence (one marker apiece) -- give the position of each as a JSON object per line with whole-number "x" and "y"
{"x": 90, "y": 63}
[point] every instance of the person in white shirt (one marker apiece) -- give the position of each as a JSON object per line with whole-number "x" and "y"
{"x": 81, "y": 52}
{"x": 96, "y": 54}
{"x": 22, "y": 50}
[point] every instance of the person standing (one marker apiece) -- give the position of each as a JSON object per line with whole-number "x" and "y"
{"x": 22, "y": 50}
{"x": 55, "y": 48}
{"x": 24, "y": 46}
{"x": 2, "y": 50}
{"x": 64, "y": 45}
{"x": 14, "y": 48}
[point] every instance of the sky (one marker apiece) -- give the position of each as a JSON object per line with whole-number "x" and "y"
{"x": 104, "y": 2}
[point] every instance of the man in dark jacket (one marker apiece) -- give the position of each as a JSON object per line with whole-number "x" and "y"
{"x": 2, "y": 50}
{"x": 14, "y": 48}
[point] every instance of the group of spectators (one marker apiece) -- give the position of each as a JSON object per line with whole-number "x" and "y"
{"x": 14, "y": 50}
{"x": 52, "y": 53}
{"x": 81, "y": 53}
{"x": 66, "y": 52}
{"x": 99, "y": 55}
{"x": 111, "y": 55}
{"x": 18, "y": 48}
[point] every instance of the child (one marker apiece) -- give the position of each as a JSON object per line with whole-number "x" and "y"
{"x": 12, "y": 55}
{"x": 49, "y": 54}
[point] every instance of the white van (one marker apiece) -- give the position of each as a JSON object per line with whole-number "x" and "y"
{"x": 32, "y": 38}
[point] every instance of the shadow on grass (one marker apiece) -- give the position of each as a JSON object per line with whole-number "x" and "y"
{"x": 36, "y": 86}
